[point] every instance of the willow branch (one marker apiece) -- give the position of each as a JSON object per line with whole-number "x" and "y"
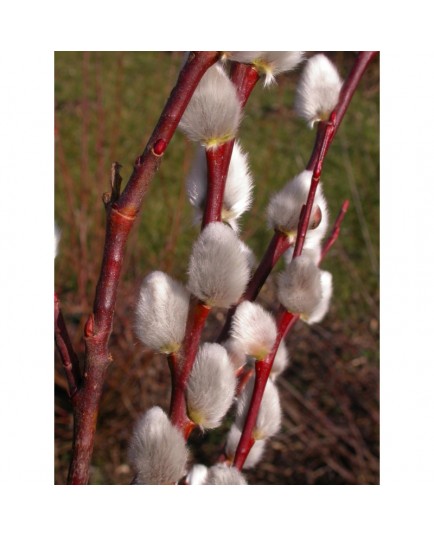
{"x": 336, "y": 230}
{"x": 285, "y": 321}
{"x": 182, "y": 366}
{"x": 121, "y": 214}
{"x": 218, "y": 160}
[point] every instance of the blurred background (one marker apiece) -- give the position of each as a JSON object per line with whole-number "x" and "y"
{"x": 106, "y": 106}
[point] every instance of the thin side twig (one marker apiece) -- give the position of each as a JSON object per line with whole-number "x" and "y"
{"x": 66, "y": 351}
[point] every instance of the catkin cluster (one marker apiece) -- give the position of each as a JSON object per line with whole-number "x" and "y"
{"x": 220, "y": 268}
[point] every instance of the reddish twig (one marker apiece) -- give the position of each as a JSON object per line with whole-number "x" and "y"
{"x": 336, "y": 230}
{"x": 262, "y": 368}
{"x": 244, "y": 77}
{"x": 120, "y": 218}
{"x": 285, "y": 321}
{"x": 66, "y": 351}
{"x": 184, "y": 363}
{"x": 218, "y": 160}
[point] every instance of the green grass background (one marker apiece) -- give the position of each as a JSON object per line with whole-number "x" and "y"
{"x": 107, "y": 104}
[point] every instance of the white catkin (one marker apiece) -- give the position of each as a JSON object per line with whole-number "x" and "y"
{"x": 314, "y": 252}
{"x": 161, "y": 312}
{"x": 318, "y": 90}
{"x": 214, "y": 111}
{"x": 218, "y": 270}
{"x": 255, "y": 453}
{"x": 235, "y": 352}
{"x": 254, "y": 328}
{"x": 237, "y": 197}
{"x": 211, "y": 386}
{"x": 269, "y": 63}
{"x": 281, "y": 361}
{"x": 322, "y": 308}
{"x": 285, "y": 206}
{"x": 221, "y": 474}
{"x": 299, "y": 286}
{"x": 269, "y": 416}
{"x": 197, "y": 475}
{"x": 157, "y": 450}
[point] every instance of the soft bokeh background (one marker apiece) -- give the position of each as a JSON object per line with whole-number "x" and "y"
{"x": 107, "y": 104}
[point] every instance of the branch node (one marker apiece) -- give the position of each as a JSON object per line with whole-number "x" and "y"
{"x": 159, "y": 147}
{"x": 89, "y": 327}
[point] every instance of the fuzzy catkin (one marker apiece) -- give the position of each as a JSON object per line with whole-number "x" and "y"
{"x": 237, "y": 197}
{"x": 197, "y": 475}
{"x": 318, "y": 90}
{"x": 269, "y": 63}
{"x": 254, "y": 329}
{"x": 269, "y": 416}
{"x": 236, "y": 352}
{"x": 326, "y": 280}
{"x": 280, "y": 362}
{"x": 299, "y": 286}
{"x": 161, "y": 312}
{"x": 211, "y": 386}
{"x": 223, "y": 475}
{"x": 157, "y": 450}
{"x": 214, "y": 111}
{"x": 255, "y": 453}
{"x": 218, "y": 270}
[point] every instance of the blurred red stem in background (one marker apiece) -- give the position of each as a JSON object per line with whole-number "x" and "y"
{"x": 66, "y": 351}
{"x": 120, "y": 218}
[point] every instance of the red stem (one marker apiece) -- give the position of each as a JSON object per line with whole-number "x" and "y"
{"x": 244, "y": 77}
{"x": 120, "y": 217}
{"x": 348, "y": 88}
{"x": 284, "y": 321}
{"x": 218, "y": 160}
{"x": 182, "y": 368}
{"x": 336, "y": 230}
{"x": 325, "y": 135}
